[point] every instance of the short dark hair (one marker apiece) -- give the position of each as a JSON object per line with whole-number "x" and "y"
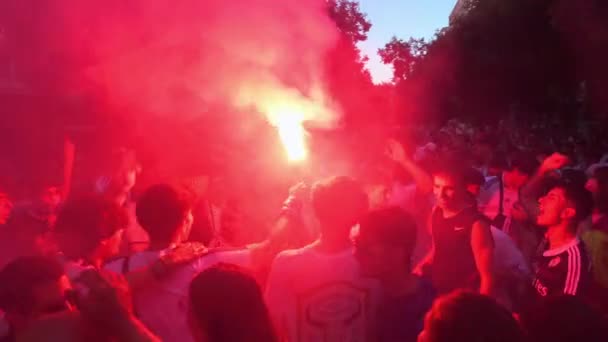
{"x": 580, "y": 198}
{"x": 160, "y": 210}
{"x": 389, "y": 226}
{"x": 19, "y": 278}
{"x": 86, "y": 221}
{"x": 339, "y": 200}
{"x": 473, "y": 176}
{"x": 228, "y": 305}
{"x": 453, "y": 169}
{"x": 467, "y": 316}
{"x": 523, "y": 162}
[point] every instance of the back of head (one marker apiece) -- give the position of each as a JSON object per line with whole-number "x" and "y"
{"x": 465, "y": 316}
{"x": 525, "y": 163}
{"x": 83, "y": 223}
{"x": 226, "y": 304}
{"x": 339, "y": 202}
{"x": 389, "y": 226}
{"x": 564, "y": 318}
{"x": 19, "y": 280}
{"x": 161, "y": 211}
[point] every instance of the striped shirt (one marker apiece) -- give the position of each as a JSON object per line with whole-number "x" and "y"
{"x": 565, "y": 270}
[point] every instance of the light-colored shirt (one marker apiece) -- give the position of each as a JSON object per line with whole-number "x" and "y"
{"x": 314, "y": 296}
{"x": 162, "y": 305}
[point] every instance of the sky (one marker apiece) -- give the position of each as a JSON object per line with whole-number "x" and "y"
{"x": 401, "y": 18}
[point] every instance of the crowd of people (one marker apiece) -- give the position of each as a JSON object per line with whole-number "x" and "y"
{"x": 463, "y": 239}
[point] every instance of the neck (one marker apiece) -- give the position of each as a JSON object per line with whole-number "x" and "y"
{"x": 448, "y": 212}
{"x": 559, "y": 235}
{"x": 333, "y": 244}
{"x": 399, "y": 283}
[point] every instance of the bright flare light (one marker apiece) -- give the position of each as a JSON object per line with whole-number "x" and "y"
{"x": 292, "y": 134}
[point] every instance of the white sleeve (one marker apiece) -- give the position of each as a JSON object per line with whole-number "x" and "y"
{"x": 241, "y": 257}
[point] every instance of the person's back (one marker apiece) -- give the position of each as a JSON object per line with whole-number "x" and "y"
{"x": 161, "y": 304}
{"x": 316, "y": 293}
{"x": 470, "y": 317}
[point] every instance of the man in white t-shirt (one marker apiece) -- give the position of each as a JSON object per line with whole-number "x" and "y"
{"x": 162, "y": 304}
{"x": 316, "y": 293}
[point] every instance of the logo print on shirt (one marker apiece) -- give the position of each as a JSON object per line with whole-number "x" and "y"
{"x": 554, "y": 262}
{"x": 458, "y": 229}
{"x": 333, "y": 312}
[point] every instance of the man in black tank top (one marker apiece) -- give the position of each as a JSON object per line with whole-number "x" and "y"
{"x": 463, "y": 247}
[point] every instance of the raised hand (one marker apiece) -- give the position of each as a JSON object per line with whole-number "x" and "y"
{"x": 554, "y": 162}
{"x": 395, "y": 151}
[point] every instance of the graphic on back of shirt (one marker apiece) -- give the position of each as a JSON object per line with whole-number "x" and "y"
{"x": 563, "y": 271}
{"x": 333, "y": 312}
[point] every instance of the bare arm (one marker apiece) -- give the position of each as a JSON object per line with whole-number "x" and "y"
{"x": 427, "y": 261}
{"x": 423, "y": 180}
{"x": 482, "y": 244}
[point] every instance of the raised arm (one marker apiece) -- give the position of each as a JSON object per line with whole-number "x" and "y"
{"x": 423, "y": 180}
{"x": 529, "y": 193}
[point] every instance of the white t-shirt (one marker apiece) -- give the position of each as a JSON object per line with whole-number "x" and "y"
{"x": 314, "y": 296}
{"x": 163, "y": 305}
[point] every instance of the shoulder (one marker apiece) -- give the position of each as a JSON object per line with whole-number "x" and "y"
{"x": 288, "y": 257}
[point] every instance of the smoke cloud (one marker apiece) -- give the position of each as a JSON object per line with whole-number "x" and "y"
{"x": 174, "y": 57}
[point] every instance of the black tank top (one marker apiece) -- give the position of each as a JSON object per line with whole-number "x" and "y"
{"x": 453, "y": 263}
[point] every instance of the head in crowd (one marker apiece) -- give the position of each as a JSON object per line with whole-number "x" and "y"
{"x": 474, "y": 180}
{"x": 498, "y": 164}
{"x": 124, "y": 169}
{"x": 6, "y": 207}
{"x": 386, "y": 242}
{"x": 521, "y": 167}
{"x": 166, "y": 214}
{"x": 483, "y": 150}
{"x": 226, "y": 304}
{"x": 338, "y": 204}
{"x": 464, "y": 316}
{"x": 90, "y": 228}
{"x": 375, "y": 181}
{"x": 598, "y": 186}
{"x": 565, "y": 204}
{"x": 449, "y": 186}
{"x": 33, "y": 287}
{"x": 564, "y": 318}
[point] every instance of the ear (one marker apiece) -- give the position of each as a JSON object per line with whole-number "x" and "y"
{"x": 568, "y": 213}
